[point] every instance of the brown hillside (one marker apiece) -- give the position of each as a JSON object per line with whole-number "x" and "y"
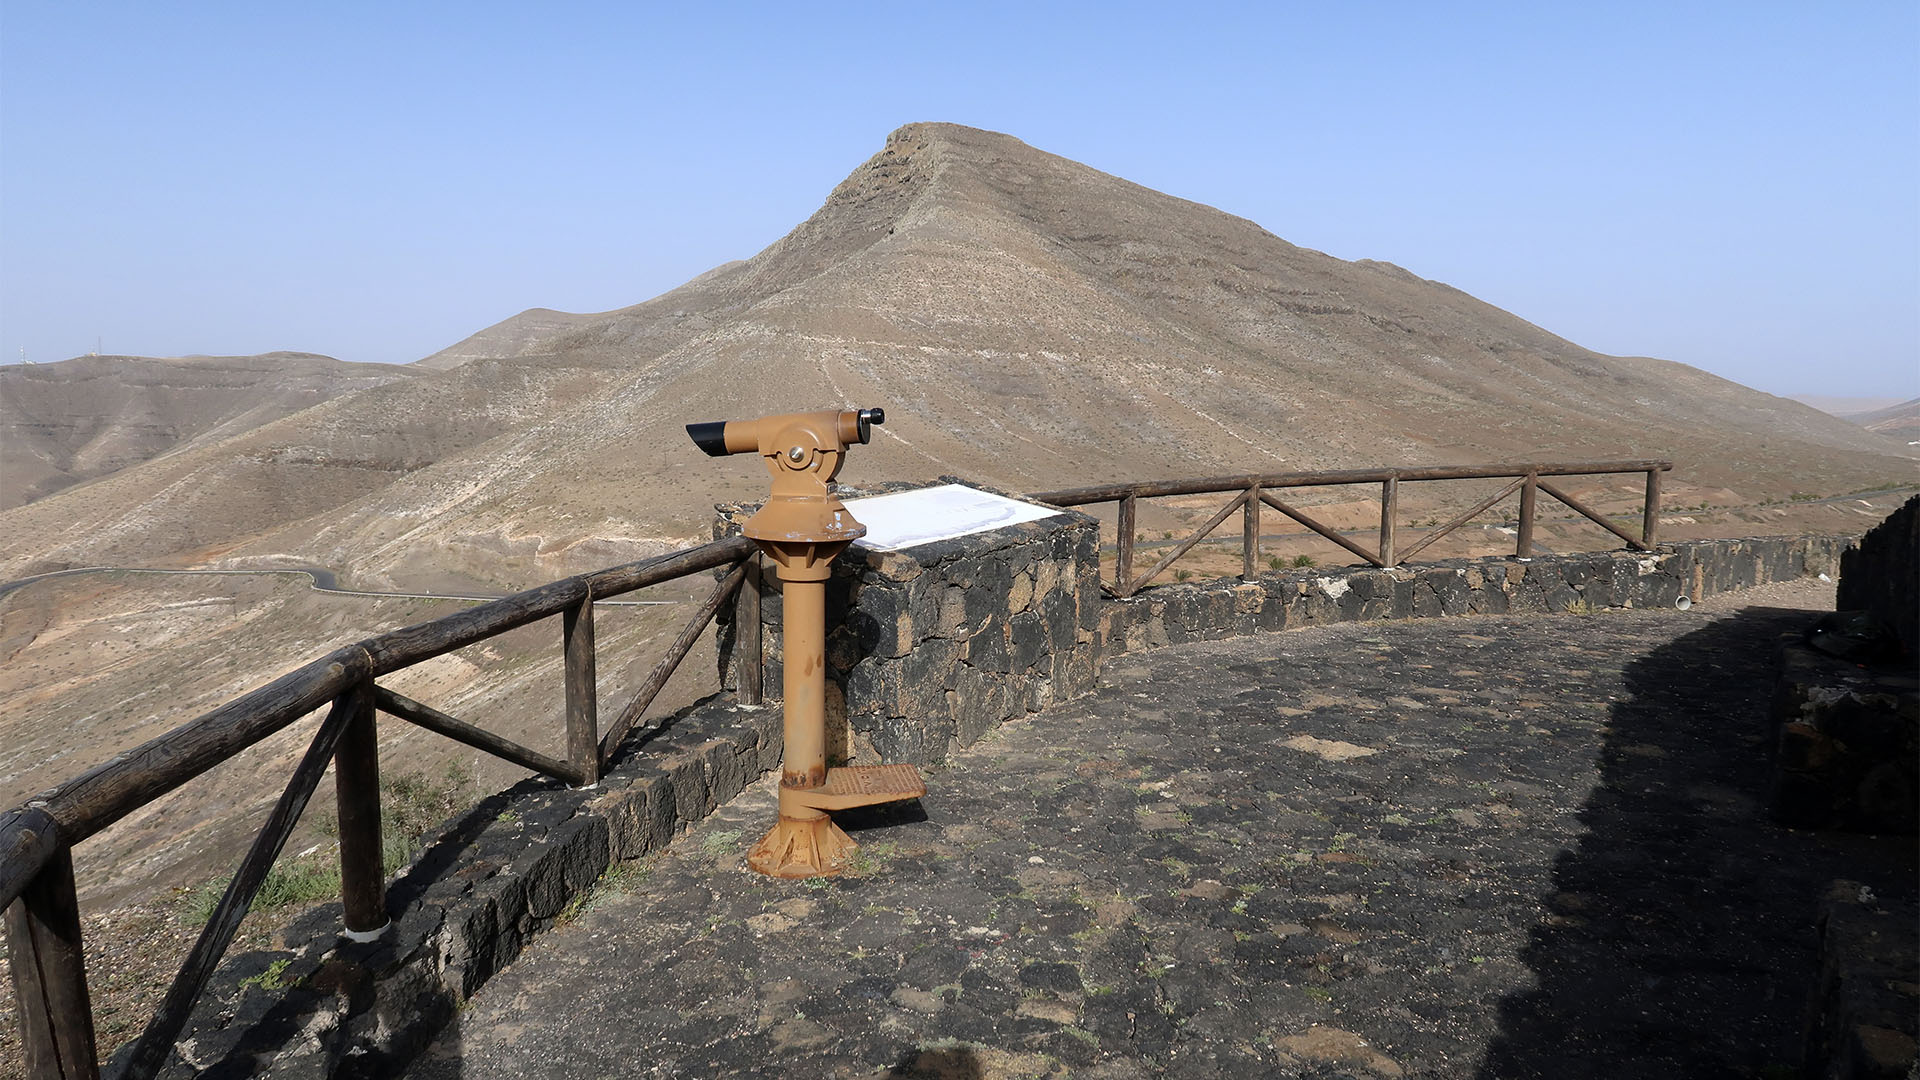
{"x": 1025, "y": 320}
{"x": 62, "y": 424}
{"x": 1898, "y": 422}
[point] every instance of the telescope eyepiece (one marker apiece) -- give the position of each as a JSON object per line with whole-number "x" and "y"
{"x": 711, "y": 437}
{"x": 868, "y": 418}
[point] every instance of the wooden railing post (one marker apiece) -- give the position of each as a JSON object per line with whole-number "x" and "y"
{"x": 1650, "y": 521}
{"x": 1250, "y": 534}
{"x": 662, "y": 671}
{"x": 1389, "y": 508}
{"x": 50, "y": 973}
{"x": 583, "y": 725}
{"x": 747, "y": 639}
{"x": 1523, "y": 547}
{"x": 356, "y": 780}
{"x": 1123, "y": 546}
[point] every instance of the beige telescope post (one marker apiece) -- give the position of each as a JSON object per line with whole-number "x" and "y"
{"x": 802, "y": 528}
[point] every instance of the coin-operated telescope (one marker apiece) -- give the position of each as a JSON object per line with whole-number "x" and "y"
{"x": 802, "y": 528}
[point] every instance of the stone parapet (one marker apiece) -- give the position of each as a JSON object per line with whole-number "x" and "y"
{"x": 932, "y": 646}
{"x": 1580, "y": 583}
{"x": 1881, "y": 574}
{"x": 1862, "y": 1013}
{"x": 1848, "y": 743}
{"x": 476, "y": 895}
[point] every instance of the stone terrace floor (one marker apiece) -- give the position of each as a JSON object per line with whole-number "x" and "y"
{"x": 1489, "y": 847}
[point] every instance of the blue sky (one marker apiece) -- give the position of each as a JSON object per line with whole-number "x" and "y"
{"x": 1729, "y": 185}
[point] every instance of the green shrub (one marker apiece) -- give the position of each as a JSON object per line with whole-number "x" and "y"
{"x": 1303, "y": 560}
{"x": 299, "y": 880}
{"x": 411, "y": 805}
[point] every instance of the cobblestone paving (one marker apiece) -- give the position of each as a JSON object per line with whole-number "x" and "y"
{"x": 1516, "y": 847}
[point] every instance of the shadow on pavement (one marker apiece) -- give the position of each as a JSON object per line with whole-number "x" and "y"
{"x": 956, "y": 1064}
{"x": 1680, "y": 939}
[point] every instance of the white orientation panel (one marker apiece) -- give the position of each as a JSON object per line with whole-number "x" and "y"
{"x": 911, "y": 518}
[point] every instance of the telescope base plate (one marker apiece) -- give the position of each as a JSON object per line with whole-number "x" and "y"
{"x": 813, "y": 846}
{"x": 802, "y": 849}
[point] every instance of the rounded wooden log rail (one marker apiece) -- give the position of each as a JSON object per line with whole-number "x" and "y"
{"x": 1156, "y": 488}
{"x": 29, "y": 839}
{"x": 104, "y": 794}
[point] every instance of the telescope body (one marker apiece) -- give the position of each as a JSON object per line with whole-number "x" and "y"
{"x": 803, "y": 452}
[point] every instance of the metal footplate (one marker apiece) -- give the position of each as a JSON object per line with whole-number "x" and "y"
{"x": 861, "y": 785}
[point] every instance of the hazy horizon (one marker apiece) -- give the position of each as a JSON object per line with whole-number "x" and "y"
{"x": 1727, "y": 186}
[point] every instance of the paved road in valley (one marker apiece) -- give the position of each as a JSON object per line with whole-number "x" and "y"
{"x": 323, "y": 580}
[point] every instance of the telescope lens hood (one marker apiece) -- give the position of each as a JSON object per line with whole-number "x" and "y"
{"x": 711, "y": 437}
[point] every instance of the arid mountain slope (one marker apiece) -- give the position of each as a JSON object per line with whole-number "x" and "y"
{"x": 62, "y": 424}
{"x": 1898, "y": 422}
{"x": 1025, "y": 320}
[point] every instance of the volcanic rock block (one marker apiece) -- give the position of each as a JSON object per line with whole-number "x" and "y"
{"x": 1849, "y": 744}
{"x": 931, "y": 647}
{"x": 1862, "y": 1017}
{"x": 1226, "y": 607}
{"x": 1881, "y": 575}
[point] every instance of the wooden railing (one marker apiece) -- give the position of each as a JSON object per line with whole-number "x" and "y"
{"x": 36, "y": 864}
{"x": 1255, "y": 491}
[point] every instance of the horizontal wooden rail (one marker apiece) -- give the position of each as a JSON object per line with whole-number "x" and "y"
{"x": 1254, "y": 490}
{"x": 105, "y": 794}
{"x": 679, "y": 564}
{"x": 436, "y": 637}
{"x": 1207, "y": 485}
